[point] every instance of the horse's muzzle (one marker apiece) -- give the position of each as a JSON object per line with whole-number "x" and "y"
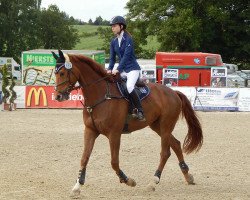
{"x": 62, "y": 97}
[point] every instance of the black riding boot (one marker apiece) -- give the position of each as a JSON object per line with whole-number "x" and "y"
{"x": 137, "y": 103}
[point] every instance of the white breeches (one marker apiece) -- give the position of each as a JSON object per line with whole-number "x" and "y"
{"x": 132, "y": 77}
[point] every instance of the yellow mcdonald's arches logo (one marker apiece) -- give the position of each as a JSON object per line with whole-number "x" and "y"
{"x": 37, "y": 93}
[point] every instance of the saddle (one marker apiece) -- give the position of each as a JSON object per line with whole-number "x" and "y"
{"x": 141, "y": 89}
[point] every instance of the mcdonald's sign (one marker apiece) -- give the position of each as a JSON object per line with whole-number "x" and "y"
{"x": 37, "y": 93}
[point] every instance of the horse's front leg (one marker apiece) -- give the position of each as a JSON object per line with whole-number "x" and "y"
{"x": 89, "y": 141}
{"x": 114, "y": 142}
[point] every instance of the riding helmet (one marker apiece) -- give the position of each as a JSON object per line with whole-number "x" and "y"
{"x": 118, "y": 20}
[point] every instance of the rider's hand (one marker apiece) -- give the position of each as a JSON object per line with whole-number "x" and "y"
{"x": 109, "y": 71}
{"x": 115, "y": 72}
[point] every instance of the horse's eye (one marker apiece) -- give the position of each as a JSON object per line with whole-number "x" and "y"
{"x": 61, "y": 74}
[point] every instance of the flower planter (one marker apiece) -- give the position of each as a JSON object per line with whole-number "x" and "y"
{"x": 9, "y": 107}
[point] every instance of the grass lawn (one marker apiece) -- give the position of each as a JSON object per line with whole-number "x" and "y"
{"x": 94, "y": 42}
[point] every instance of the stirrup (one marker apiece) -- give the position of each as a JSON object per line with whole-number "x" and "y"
{"x": 135, "y": 113}
{"x": 138, "y": 115}
{"x": 141, "y": 117}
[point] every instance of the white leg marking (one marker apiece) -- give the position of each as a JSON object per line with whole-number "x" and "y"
{"x": 75, "y": 193}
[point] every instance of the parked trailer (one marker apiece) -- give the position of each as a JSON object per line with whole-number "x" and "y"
{"x": 13, "y": 67}
{"x": 194, "y": 68}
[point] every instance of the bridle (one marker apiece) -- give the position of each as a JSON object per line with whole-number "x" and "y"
{"x": 71, "y": 85}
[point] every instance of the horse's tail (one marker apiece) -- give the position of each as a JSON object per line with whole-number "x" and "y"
{"x": 194, "y": 139}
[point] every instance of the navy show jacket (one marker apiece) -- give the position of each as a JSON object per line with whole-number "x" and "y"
{"x": 125, "y": 53}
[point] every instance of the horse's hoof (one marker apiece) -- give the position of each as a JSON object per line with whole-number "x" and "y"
{"x": 150, "y": 187}
{"x": 75, "y": 194}
{"x": 156, "y": 180}
{"x": 131, "y": 182}
{"x": 190, "y": 179}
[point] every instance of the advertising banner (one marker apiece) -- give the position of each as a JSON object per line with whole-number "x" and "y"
{"x": 148, "y": 75}
{"x": 218, "y": 76}
{"x": 202, "y": 98}
{"x": 190, "y": 92}
{"x": 38, "y": 65}
{"x": 38, "y": 68}
{"x": 170, "y": 77}
{"x": 20, "y": 93}
{"x": 216, "y": 99}
{"x": 244, "y": 99}
{"x": 44, "y": 97}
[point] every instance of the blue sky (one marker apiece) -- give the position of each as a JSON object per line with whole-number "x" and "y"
{"x": 86, "y": 9}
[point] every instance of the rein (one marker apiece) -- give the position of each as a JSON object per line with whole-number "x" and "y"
{"x": 107, "y": 96}
{"x": 94, "y": 82}
{"x": 71, "y": 87}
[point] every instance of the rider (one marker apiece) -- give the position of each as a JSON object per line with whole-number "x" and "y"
{"x": 123, "y": 47}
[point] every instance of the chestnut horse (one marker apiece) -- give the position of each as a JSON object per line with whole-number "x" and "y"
{"x": 105, "y": 112}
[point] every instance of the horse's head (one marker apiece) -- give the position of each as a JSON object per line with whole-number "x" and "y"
{"x": 65, "y": 76}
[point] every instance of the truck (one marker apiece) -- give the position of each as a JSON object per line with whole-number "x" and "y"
{"x": 231, "y": 68}
{"x": 187, "y": 68}
{"x": 13, "y": 67}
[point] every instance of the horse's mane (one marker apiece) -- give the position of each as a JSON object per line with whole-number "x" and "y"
{"x": 98, "y": 68}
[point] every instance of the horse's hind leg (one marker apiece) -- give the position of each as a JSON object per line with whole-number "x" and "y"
{"x": 165, "y": 154}
{"x": 165, "y": 134}
{"x": 167, "y": 141}
{"x": 176, "y": 146}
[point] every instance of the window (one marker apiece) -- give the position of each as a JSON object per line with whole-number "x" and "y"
{"x": 210, "y": 60}
{"x": 16, "y": 68}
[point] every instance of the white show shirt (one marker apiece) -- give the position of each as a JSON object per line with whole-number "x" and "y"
{"x": 119, "y": 37}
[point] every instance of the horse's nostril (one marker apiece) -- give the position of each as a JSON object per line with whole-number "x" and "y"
{"x": 58, "y": 97}
{"x": 67, "y": 97}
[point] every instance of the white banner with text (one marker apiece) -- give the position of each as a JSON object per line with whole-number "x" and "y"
{"x": 201, "y": 98}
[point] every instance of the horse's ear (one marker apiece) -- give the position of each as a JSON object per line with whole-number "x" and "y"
{"x": 54, "y": 55}
{"x": 61, "y": 54}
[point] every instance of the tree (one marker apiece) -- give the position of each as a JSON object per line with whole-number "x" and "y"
{"x": 105, "y": 22}
{"x": 105, "y": 34}
{"x": 98, "y": 21}
{"x": 5, "y": 84}
{"x": 90, "y": 22}
{"x": 210, "y": 26}
{"x": 18, "y": 27}
{"x": 13, "y": 95}
{"x": 24, "y": 26}
{"x": 56, "y": 30}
